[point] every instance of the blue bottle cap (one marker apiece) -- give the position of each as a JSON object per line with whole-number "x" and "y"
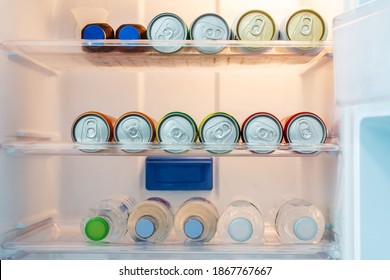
{"x": 305, "y": 228}
{"x": 93, "y": 32}
{"x": 193, "y": 228}
{"x": 240, "y": 229}
{"x": 128, "y": 33}
{"x": 145, "y": 227}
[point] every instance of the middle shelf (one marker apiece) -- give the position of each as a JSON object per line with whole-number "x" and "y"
{"x": 159, "y": 149}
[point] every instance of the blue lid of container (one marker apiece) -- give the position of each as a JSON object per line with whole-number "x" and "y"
{"x": 145, "y": 227}
{"x": 128, "y": 33}
{"x": 305, "y": 228}
{"x": 240, "y": 229}
{"x": 93, "y": 32}
{"x": 193, "y": 228}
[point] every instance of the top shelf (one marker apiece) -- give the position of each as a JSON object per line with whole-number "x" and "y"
{"x": 68, "y": 55}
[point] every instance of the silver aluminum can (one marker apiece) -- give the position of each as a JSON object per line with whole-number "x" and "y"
{"x": 304, "y": 128}
{"x": 92, "y": 128}
{"x": 219, "y": 128}
{"x": 262, "y": 128}
{"x": 167, "y": 26}
{"x": 136, "y": 128}
{"x": 177, "y": 128}
{"x": 210, "y": 27}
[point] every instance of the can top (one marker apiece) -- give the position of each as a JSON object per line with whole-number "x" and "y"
{"x": 262, "y": 128}
{"x": 240, "y": 229}
{"x": 306, "y": 128}
{"x": 91, "y": 128}
{"x": 193, "y": 228}
{"x": 177, "y": 127}
{"x": 220, "y": 128}
{"x": 167, "y": 26}
{"x": 256, "y": 25}
{"x": 305, "y": 228}
{"x": 97, "y": 228}
{"x": 133, "y": 128}
{"x": 306, "y": 25}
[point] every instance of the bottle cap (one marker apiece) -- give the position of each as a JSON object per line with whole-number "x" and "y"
{"x": 305, "y": 228}
{"x": 240, "y": 229}
{"x": 97, "y": 228}
{"x": 145, "y": 227}
{"x": 94, "y": 32}
{"x": 193, "y": 228}
{"x": 128, "y": 33}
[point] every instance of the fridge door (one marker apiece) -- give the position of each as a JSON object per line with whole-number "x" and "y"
{"x": 362, "y": 88}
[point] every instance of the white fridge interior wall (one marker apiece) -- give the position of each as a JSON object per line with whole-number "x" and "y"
{"x": 39, "y": 102}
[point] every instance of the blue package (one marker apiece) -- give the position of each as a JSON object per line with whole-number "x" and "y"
{"x": 179, "y": 173}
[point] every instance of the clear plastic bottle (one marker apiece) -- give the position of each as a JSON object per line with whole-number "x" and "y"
{"x": 196, "y": 220}
{"x": 241, "y": 221}
{"x": 298, "y": 221}
{"x": 107, "y": 219}
{"x": 151, "y": 220}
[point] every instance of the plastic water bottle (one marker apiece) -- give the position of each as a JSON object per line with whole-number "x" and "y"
{"x": 241, "y": 221}
{"x": 151, "y": 220}
{"x": 196, "y": 220}
{"x": 298, "y": 221}
{"x": 107, "y": 219}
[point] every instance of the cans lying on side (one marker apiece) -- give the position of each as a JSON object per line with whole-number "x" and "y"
{"x": 167, "y": 26}
{"x": 305, "y": 129}
{"x": 262, "y": 129}
{"x": 97, "y": 31}
{"x": 177, "y": 128}
{"x": 219, "y": 128}
{"x": 255, "y": 25}
{"x": 210, "y": 27}
{"x": 93, "y": 128}
{"x": 135, "y": 128}
{"x": 304, "y": 25}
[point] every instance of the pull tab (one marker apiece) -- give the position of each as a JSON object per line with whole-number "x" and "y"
{"x": 178, "y": 134}
{"x": 167, "y": 30}
{"x": 258, "y": 27}
{"x": 90, "y": 131}
{"x": 306, "y": 130}
{"x": 132, "y": 129}
{"x": 266, "y": 134}
{"x": 306, "y": 25}
{"x": 211, "y": 31}
{"x": 220, "y": 132}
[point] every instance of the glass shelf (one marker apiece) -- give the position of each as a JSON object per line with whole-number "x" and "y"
{"x": 159, "y": 149}
{"x": 64, "y": 241}
{"x": 139, "y": 55}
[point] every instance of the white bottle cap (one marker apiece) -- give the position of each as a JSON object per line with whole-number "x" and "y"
{"x": 305, "y": 228}
{"x": 240, "y": 229}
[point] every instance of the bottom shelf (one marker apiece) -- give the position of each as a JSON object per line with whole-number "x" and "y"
{"x": 63, "y": 241}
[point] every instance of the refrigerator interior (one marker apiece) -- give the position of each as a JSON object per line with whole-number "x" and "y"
{"x": 47, "y": 81}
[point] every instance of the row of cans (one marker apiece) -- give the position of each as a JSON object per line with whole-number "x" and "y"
{"x": 253, "y": 25}
{"x": 219, "y": 131}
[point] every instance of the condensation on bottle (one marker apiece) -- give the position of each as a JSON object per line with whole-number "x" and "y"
{"x": 196, "y": 220}
{"x": 107, "y": 220}
{"x": 298, "y": 221}
{"x": 151, "y": 220}
{"x": 240, "y": 222}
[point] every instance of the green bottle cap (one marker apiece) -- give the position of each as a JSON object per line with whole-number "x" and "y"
{"x": 97, "y": 228}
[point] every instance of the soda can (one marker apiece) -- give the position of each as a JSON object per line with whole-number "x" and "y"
{"x": 304, "y": 25}
{"x": 255, "y": 25}
{"x": 130, "y": 32}
{"x": 304, "y": 128}
{"x": 93, "y": 128}
{"x": 262, "y": 129}
{"x": 177, "y": 128}
{"x": 167, "y": 26}
{"x": 219, "y": 128}
{"x": 210, "y": 27}
{"x": 97, "y": 31}
{"x": 136, "y": 128}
